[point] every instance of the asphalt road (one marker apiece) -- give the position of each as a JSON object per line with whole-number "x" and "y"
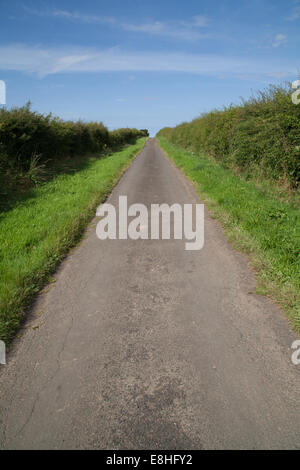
{"x": 143, "y": 345}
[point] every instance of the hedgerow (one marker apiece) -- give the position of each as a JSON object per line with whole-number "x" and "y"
{"x": 260, "y": 135}
{"x": 25, "y": 134}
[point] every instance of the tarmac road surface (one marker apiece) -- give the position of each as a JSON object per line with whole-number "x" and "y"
{"x": 144, "y": 345}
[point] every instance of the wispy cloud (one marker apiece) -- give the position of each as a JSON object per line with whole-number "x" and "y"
{"x": 71, "y": 16}
{"x": 279, "y": 40}
{"x": 42, "y": 62}
{"x": 201, "y": 20}
{"x": 160, "y": 28}
{"x": 198, "y": 21}
{"x": 295, "y": 14}
{"x": 183, "y": 30}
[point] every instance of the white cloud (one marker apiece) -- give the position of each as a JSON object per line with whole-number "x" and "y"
{"x": 201, "y": 20}
{"x": 72, "y": 16}
{"x": 42, "y": 62}
{"x": 185, "y": 30}
{"x": 159, "y": 28}
{"x": 295, "y": 14}
{"x": 279, "y": 40}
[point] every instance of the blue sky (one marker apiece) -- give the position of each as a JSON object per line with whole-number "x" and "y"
{"x": 145, "y": 64}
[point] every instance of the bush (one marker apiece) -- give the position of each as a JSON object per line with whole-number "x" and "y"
{"x": 262, "y": 134}
{"x": 24, "y": 134}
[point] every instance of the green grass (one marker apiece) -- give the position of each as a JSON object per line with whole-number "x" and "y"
{"x": 257, "y": 220}
{"x": 40, "y": 227}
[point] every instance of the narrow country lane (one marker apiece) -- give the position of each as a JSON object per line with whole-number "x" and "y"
{"x": 144, "y": 345}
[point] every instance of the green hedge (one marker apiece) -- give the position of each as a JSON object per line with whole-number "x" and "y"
{"x": 259, "y": 135}
{"x": 25, "y": 134}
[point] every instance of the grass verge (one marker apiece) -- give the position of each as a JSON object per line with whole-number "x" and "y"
{"x": 37, "y": 232}
{"x": 256, "y": 220}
